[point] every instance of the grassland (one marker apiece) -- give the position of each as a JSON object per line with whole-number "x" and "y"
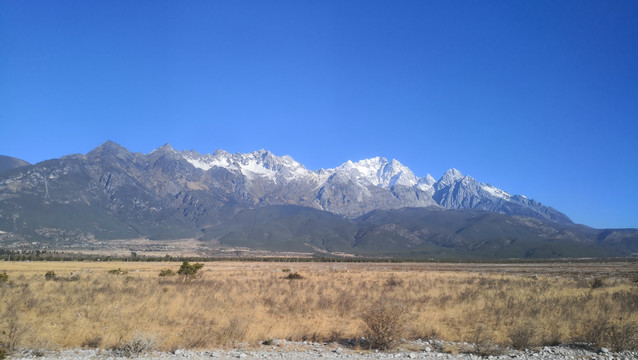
{"x": 85, "y": 305}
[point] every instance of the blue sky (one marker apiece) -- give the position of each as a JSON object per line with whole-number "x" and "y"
{"x": 536, "y": 97}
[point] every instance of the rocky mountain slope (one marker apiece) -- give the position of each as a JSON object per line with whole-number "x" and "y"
{"x": 265, "y": 201}
{"x": 8, "y": 163}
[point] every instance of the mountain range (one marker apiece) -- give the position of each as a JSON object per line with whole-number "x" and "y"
{"x": 373, "y": 207}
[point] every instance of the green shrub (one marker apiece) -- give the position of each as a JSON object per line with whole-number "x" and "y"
{"x": 3, "y": 353}
{"x": 50, "y": 275}
{"x": 118, "y": 271}
{"x": 4, "y": 277}
{"x": 268, "y": 342}
{"x": 188, "y": 270}
{"x": 167, "y": 272}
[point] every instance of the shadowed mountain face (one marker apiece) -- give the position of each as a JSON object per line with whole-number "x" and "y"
{"x": 259, "y": 200}
{"x": 8, "y": 163}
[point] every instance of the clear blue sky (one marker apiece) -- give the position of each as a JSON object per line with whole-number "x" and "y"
{"x": 536, "y": 97}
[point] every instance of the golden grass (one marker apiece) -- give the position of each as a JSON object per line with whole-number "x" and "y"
{"x": 234, "y": 302}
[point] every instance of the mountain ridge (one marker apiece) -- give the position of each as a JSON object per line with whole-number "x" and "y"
{"x": 376, "y": 171}
{"x": 112, "y": 193}
{"x": 9, "y": 163}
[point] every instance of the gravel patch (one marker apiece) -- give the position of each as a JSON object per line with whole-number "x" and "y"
{"x": 307, "y": 351}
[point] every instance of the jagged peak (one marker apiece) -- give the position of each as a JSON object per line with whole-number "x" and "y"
{"x": 450, "y": 176}
{"x": 378, "y": 171}
{"x": 427, "y": 180}
{"x": 109, "y": 144}
{"x": 167, "y": 148}
{"x": 110, "y": 147}
{"x": 374, "y": 163}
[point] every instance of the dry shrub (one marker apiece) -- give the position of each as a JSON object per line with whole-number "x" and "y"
{"x": 522, "y": 335}
{"x": 384, "y": 322}
{"x": 616, "y": 335}
{"x": 623, "y": 336}
{"x": 197, "y": 335}
{"x": 393, "y": 281}
{"x": 595, "y": 331}
{"x": 483, "y": 343}
{"x": 92, "y": 342}
{"x": 235, "y": 329}
{"x": 138, "y": 345}
{"x": 14, "y": 329}
{"x": 597, "y": 283}
{"x": 294, "y": 276}
{"x": 552, "y": 337}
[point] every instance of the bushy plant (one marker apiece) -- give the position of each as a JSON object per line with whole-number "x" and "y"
{"x": 622, "y": 336}
{"x": 294, "y": 276}
{"x": 617, "y": 335}
{"x": 92, "y": 342}
{"x": 137, "y": 346}
{"x": 188, "y": 270}
{"x": 50, "y": 275}
{"x": 385, "y": 323}
{"x": 167, "y": 272}
{"x": 482, "y": 342}
{"x": 393, "y": 281}
{"x": 4, "y": 277}
{"x": 118, "y": 271}
{"x": 597, "y": 283}
{"x": 522, "y": 336}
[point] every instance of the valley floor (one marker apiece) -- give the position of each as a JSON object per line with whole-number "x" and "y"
{"x": 107, "y": 309}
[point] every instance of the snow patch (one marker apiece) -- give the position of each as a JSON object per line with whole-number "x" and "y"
{"x": 496, "y": 192}
{"x": 252, "y": 168}
{"x": 199, "y": 163}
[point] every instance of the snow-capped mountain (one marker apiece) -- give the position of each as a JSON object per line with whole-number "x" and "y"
{"x": 259, "y": 164}
{"x": 261, "y": 178}
{"x": 379, "y": 172}
{"x": 456, "y": 191}
{"x": 264, "y": 165}
{"x": 355, "y": 188}
{"x": 260, "y": 200}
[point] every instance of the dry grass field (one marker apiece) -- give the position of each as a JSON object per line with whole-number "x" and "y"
{"x": 84, "y": 305}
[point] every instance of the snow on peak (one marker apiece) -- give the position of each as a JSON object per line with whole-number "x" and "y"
{"x": 378, "y": 171}
{"x": 426, "y": 183}
{"x": 450, "y": 177}
{"x": 496, "y": 192}
{"x": 261, "y": 163}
